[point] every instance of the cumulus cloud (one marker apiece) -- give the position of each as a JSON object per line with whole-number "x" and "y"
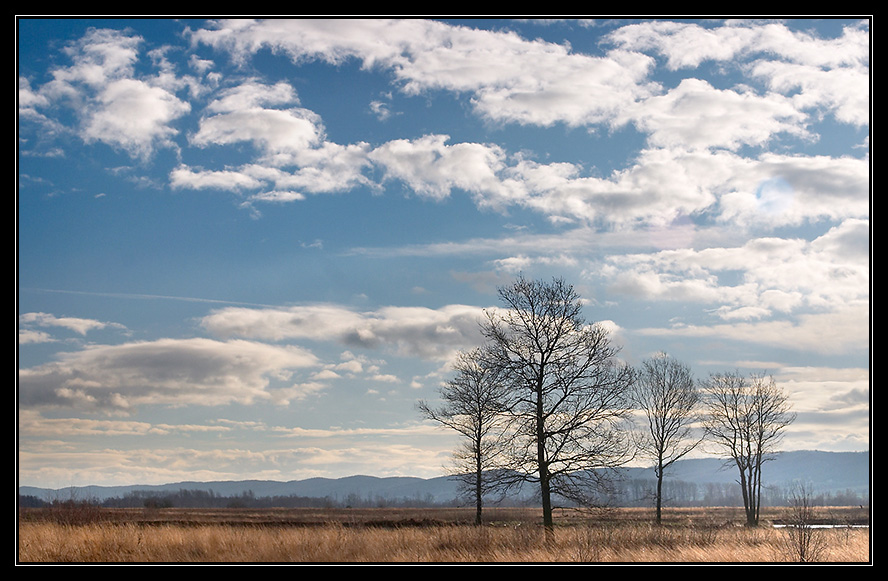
{"x": 697, "y": 115}
{"x": 694, "y": 130}
{"x": 790, "y": 190}
{"x": 688, "y": 44}
{"x": 663, "y": 185}
{"x": 774, "y": 275}
{"x": 530, "y": 81}
{"x": 845, "y": 92}
{"x": 199, "y": 179}
{"x": 30, "y": 336}
{"x": 173, "y": 372}
{"x": 134, "y": 116}
{"x": 414, "y": 331}
{"x": 431, "y": 167}
{"x": 271, "y": 130}
{"x": 512, "y": 79}
{"x": 813, "y": 72}
{"x": 79, "y": 325}
{"x": 292, "y": 153}
{"x": 253, "y": 94}
{"x": 115, "y": 106}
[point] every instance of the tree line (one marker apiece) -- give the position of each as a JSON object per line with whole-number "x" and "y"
{"x": 629, "y": 492}
{"x": 546, "y": 401}
{"x": 196, "y": 498}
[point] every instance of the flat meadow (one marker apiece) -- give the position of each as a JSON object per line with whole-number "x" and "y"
{"x": 430, "y": 535}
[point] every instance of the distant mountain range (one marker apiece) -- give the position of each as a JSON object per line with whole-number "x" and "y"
{"x": 821, "y": 472}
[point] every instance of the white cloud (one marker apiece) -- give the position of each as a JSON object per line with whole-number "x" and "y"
{"x": 774, "y": 274}
{"x": 76, "y": 324}
{"x": 322, "y": 453}
{"x": 253, "y": 94}
{"x": 101, "y": 55}
{"x": 846, "y": 92}
{"x": 658, "y": 188}
{"x": 840, "y": 332}
{"x": 415, "y": 331}
{"x": 273, "y": 131}
{"x": 697, "y": 115}
{"x": 292, "y": 155}
{"x": 826, "y": 389}
{"x": 328, "y": 168}
{"x": 664, "y": 185}
{"x": 326, "y": 374}
{"x": 175, "y": 372}
{"x": 512, "y": 79}
{"x": 687, "y": 45}
{"x": 30, "y": 336}
{"x": 816, "y": 72}
{"x": 226, "y": 180}
{"x": 788, "y": 190}
{"x": 116, "y": 108}
{"x": 432, "y": 168}
{"x": 134, "y": 116}
{"x": 684, "y": 45}
{"x": 33, "y": 424}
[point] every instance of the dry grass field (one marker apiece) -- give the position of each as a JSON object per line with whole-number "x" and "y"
{"x": 712, "y": 535}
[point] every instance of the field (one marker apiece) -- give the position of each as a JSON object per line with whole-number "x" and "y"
{"x": 437, "y": 535}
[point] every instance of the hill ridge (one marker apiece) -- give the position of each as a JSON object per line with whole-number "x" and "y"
{"x": 823, "y": 472}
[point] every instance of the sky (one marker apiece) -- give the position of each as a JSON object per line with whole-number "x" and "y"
{"x": 247, "y": 248}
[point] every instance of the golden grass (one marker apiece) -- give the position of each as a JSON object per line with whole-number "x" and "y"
{"x": 618, "y": 540}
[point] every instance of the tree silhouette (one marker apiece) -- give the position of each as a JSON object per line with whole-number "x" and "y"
{"x": 567, "y": 394}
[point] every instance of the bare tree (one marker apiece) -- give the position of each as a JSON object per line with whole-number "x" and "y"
{"x": 803, "y": 541}
{"x": 473, "y": 406}
{"x": 746, "y": 417}
{"x": 665, "y": 392}
{"x": 568, "y": 393}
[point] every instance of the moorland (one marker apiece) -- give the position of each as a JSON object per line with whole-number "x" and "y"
{"x": 90, "y": 534}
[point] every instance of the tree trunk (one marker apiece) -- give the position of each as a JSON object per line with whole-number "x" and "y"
{"x": 757, "y": 490}
{"x": 747, "y": 500}
{"x": 543, "y": 463}
{"x": 548, "y": 521}
{"x": 545, "y": 491}
{"x": 478, "y": 501}
{"x": 747, "y": 482}
{"x": 479, "y": 479}
{"x": 659, "y": 494}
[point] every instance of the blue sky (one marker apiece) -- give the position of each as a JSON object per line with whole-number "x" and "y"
{"x": 247, "y": 248}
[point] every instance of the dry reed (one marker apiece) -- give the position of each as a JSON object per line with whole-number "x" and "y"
{"x": 53, "y": 542}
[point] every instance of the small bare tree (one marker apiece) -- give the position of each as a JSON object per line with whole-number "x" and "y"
{"x": 473, "y": 407}
{"x": 803, "y": 541}
{"x": 745, "y": 418}
{"x": 665, "y": 392}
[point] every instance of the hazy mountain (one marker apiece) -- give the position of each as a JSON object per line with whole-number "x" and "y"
{"x": 822, "y": 472}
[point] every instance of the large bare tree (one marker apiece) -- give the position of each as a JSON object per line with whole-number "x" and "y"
{"x": 568, "y": 393}
{"x": 472, "y": 405}
{"x": 745, "y": 417}
{"x": 666, "y": 394}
